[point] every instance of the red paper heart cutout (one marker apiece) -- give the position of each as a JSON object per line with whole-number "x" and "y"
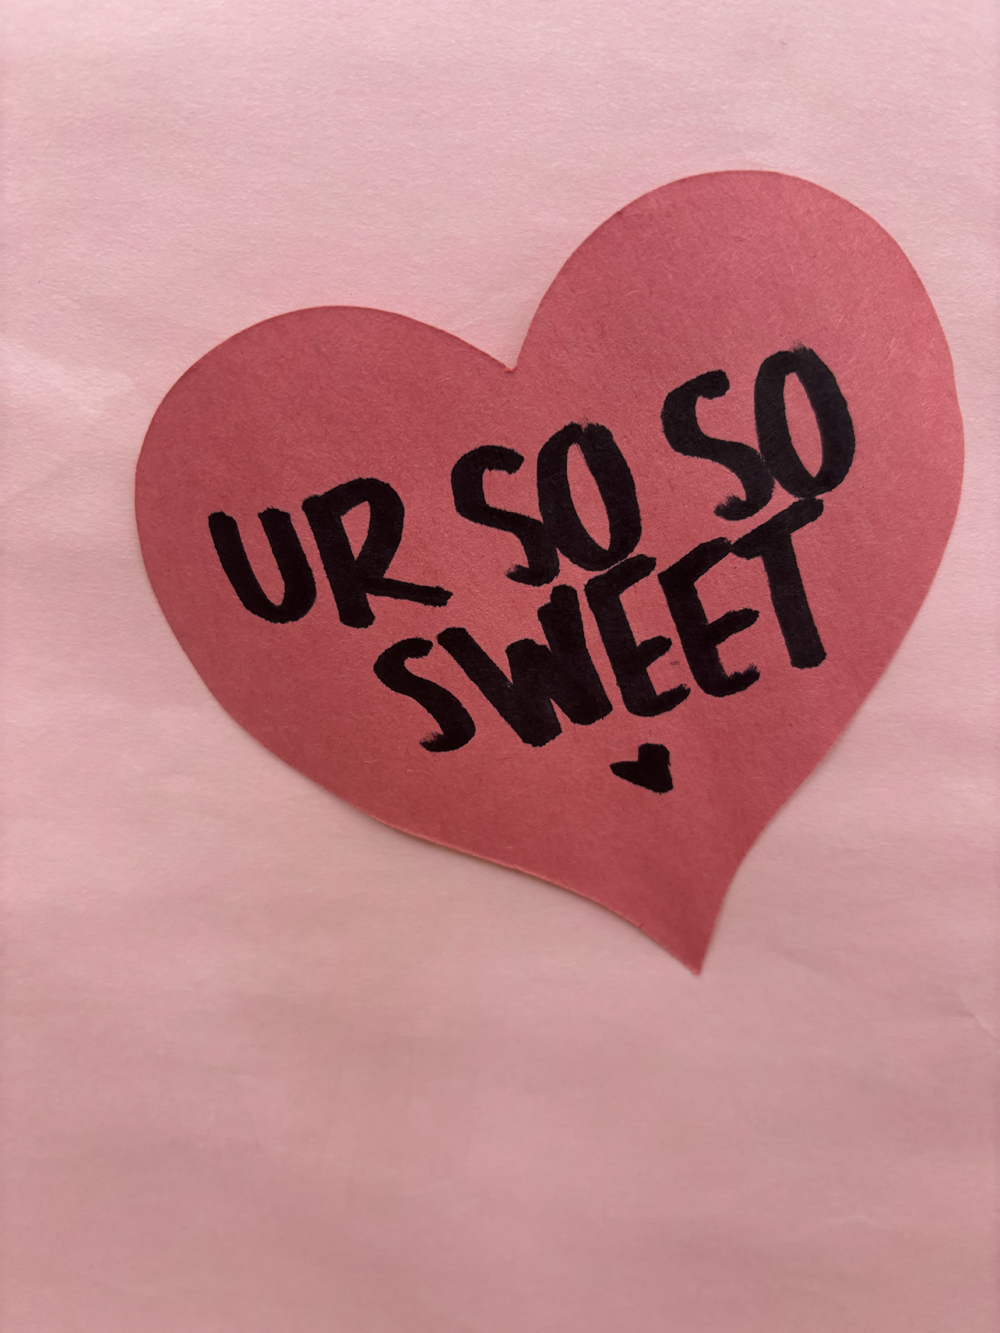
{"x": 648, "y": 811}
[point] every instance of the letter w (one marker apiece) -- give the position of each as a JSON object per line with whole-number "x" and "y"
{"x": 562, "y": 673}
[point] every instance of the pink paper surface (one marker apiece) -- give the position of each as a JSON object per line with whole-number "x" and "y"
{"x": 271, "y": 1064}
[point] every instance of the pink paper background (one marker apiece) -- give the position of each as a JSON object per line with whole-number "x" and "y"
{"x": 271, "y": 1065}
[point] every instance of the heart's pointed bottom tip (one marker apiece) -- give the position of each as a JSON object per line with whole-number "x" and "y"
{"x": 689, "y": 950}
{"x": 690, "y": 953}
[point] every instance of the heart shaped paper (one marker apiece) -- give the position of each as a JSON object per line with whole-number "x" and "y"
{"x": 733, "y": 452}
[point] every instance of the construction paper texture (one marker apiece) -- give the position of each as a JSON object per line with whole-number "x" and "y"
{"x": 271, "y": 1064}
{"x": 361, "y": 410}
